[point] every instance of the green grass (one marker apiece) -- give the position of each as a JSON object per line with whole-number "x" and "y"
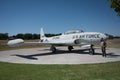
{"x": 104, "y": 71}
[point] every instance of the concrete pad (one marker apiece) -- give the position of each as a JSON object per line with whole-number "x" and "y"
{"x": 62, "y": 56}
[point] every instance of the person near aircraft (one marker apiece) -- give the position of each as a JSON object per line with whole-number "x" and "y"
{"x": 103, "y": 47}
{"x": 91, "y": 50}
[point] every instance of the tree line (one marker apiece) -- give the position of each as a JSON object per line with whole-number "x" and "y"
{"x": 3, "y": 36}
{"x": 27, "y": 36}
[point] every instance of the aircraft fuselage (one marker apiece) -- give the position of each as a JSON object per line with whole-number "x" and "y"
{"x": 77, "y": 38}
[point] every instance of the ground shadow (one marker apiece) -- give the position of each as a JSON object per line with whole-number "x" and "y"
{"x": 112, "y": 55}
{"x": 32, "y": 57}
{"x": 26, "y": 56}
{"x": 82, "y": 51}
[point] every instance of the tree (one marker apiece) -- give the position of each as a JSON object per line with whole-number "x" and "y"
{"x": 28, "y": 36}
{"x": 115, "y": 4}
{"x": 51, "y": 35}
{"x": 3, "y": 36}
{"x": 36, "y": 36}
{"x": 20, "y": 36}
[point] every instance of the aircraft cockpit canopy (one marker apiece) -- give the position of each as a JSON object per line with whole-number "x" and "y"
{"x": 73, "y": 31}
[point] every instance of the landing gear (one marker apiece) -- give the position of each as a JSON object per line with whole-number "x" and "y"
{"x": 53, "y": 49}
{"x": 70, "y": 48}
{"x": 91, "y": 50}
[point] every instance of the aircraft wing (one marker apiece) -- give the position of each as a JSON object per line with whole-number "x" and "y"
{"x": 32, "y": 42}
{"x": 43, "y": 43}
{"x": 17, "y": 42}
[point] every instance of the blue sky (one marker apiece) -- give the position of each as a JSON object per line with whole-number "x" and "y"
{"x": 57, "y": 16}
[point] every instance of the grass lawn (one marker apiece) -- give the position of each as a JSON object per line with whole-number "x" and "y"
{"x": 104, "y": 71}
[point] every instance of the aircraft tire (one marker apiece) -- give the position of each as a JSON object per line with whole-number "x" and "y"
{"x": 91, "y": 51}
{"x": 53, "y": 49}
{"x": 70, "y": 48}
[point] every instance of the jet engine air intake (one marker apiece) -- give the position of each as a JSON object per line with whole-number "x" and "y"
{"x": 77, "y": 41}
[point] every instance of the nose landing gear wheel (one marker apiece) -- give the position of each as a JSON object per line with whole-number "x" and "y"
{"x": 53, "y": 49}
{"x": 70, "y": 48}
{"x": 91, "y": 50}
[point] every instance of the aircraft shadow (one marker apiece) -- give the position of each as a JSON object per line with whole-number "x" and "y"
{"x": 112, "y": 55}
{"x": 27, "y": 57}
{"x": 83, "y": 51}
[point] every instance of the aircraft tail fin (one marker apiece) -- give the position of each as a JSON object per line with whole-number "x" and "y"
{"x": 42, "y": 35}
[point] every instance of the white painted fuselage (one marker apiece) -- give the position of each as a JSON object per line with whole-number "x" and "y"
{"x": 69, "y": 38}
{"x": 83, "y": 38}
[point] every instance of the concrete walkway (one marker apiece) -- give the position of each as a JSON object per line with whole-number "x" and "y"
{"x": 62, "y": 56}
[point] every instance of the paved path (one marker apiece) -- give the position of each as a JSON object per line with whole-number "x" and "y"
{"x": 62, "y": 56}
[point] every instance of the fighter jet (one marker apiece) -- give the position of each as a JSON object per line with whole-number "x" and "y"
{"x": 69, "y": 38}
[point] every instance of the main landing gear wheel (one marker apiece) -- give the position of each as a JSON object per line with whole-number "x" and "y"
{"x": 53, "y": 49}
{"x": 91, "y": 50}
{"x": 70, "y": 48}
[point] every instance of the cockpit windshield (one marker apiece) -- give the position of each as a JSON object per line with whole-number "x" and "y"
{"x": 73, "y": 31}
